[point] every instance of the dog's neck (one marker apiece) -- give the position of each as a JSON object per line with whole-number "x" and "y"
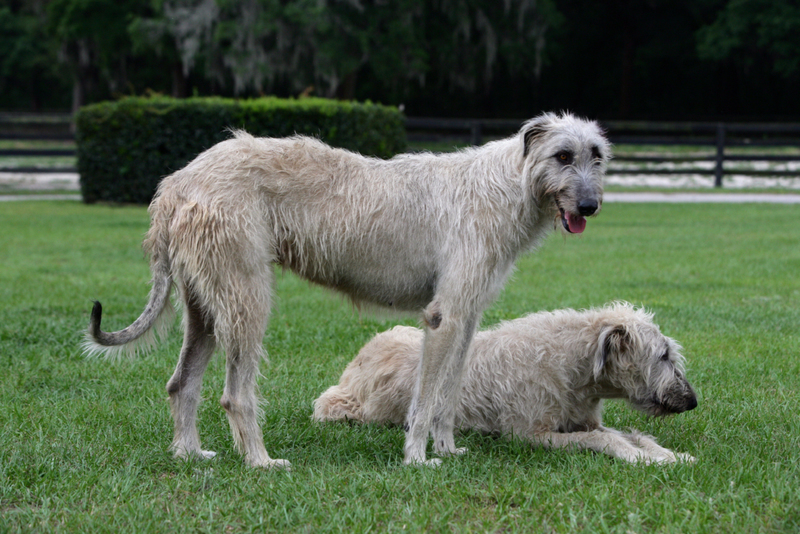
{"x": 601, "y": 388}
{"x": 529, "y": 223}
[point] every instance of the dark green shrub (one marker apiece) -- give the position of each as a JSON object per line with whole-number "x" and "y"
{"x": 126, "y": 147}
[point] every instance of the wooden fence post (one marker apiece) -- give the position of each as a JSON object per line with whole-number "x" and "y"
{"x": 718, "y": 170}
{"x": 476, "y": 133}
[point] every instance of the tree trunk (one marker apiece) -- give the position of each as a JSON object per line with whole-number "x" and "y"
{"x": 347, "y": 89}
{"x": 178, "y": 80}
{"x": 78, "y": 93}
{"x": 628, "y": 51}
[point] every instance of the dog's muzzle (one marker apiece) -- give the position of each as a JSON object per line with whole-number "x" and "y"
{"x": 671, "y": 404}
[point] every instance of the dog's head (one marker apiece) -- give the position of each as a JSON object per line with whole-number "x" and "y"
{"x": 564, "y": 162}
{"x": 642, "y": 364}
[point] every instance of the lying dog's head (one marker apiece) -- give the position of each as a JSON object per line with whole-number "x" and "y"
{"x": 643, "y": 365}
{"x": 565, "y": 160}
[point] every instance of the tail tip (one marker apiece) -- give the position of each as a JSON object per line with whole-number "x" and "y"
{"x": 96, "y": 316}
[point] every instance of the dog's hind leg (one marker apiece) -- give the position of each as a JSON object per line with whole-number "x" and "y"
{"x": 241, "y": 404}
{"x": 223, "y": 253}
{"x": 246, "y": 322}
{"x": 445, "y": 348}
{"x": 337, "y": 402}
{"x": 187, "y": 380}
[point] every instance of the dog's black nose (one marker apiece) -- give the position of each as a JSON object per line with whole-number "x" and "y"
{"x": 587, "y": 207}
{"x": 692, "y": 403}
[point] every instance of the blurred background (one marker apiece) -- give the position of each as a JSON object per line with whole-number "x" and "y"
{"x": 693, "y": 93}
{"x": 610, "y": 60}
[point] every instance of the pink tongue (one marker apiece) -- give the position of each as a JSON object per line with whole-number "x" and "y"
{"x": 577, "y": 224}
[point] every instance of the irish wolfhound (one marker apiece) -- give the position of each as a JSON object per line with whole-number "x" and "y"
{"x": 542, "y": 378}
{"x": 436, "y": 234}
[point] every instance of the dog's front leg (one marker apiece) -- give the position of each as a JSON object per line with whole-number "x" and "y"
{"x": 447, "y": 339}
{"x": 603, "y": 440}
{"x": 655, "y": 451}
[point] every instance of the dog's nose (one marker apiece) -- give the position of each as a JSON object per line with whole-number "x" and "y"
{"x": 587, "y": 207}
{"x": 691, "y": 403}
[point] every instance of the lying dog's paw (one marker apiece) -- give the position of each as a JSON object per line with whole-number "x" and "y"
{"x": 684, "y": 457}
{"x": 648, "y": 460}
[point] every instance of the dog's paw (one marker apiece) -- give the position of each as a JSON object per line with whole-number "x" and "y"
{"x": 183, "y": 454}
{"x": 457, "y": 452}
{"x": 684, "y": 457}
{"x": 648, "y": 459}
{"x": 432, "y": 462}
{"x": 280, "y": 465}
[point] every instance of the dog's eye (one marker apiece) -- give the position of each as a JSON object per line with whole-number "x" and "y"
{"x": 665, "y": 357}
{"x": 565, "y": 157}
{"x": 596, "y": 155}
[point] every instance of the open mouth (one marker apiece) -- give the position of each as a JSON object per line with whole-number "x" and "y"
{"x": 573, "y": 223}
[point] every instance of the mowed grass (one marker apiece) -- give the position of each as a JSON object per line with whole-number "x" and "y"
{"x": 84, "y": 442}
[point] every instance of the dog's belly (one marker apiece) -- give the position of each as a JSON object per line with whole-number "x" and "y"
{"x": 407, "y": 294}
{"x": 390, "y": 284}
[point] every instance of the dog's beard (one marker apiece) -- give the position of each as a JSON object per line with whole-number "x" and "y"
{"x": 656, "y": 408}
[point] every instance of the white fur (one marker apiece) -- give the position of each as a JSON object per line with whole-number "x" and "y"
{"x": 542, "y": 377}
{"x": 430, "y": 234}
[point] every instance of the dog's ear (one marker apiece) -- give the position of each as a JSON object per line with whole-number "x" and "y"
{"x": 531, "y": 131}
{"x": 614, "y": 339}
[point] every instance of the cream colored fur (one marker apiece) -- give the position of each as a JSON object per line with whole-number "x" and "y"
{"x": 542, "y": 377}
{"x": 430, "y": 234}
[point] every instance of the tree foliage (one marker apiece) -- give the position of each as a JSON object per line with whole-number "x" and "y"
{"x": 749, "y": 31}
{"x": 28, "y": 74}
{"x": 614, "y": 59}
{"x": 93, "y": 41}
{"x": 263, "y": 43}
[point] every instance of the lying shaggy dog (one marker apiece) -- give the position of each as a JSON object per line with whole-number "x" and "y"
{"x": 542, "y": 377}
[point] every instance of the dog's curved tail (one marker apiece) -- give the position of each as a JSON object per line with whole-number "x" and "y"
{"x": 157, "y": 316}
{"x": 337, "y": 403}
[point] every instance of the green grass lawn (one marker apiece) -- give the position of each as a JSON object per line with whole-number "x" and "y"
{"x": 84, "y": 442}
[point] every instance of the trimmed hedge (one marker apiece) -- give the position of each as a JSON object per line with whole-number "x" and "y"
{"x": 126, "y": 147}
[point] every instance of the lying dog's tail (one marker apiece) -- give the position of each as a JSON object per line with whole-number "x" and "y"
{"x": 157, "y": 316}
{"x": 335, "y": 404}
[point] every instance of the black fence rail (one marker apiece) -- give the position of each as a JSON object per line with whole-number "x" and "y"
{"x": 716, "y": 137}
{"x": 38, "y": 128}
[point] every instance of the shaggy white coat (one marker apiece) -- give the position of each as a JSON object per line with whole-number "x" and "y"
{"x": 431, "y": 234}
{"x": 542, "y": 378}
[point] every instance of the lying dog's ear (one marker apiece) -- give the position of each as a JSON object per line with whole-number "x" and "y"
{"x": 532, "y": 130}
{"x": 613, "y": 340}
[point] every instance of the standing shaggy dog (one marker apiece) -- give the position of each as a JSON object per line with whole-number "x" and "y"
{"x": 436, "y": 234}
{"x": 542, "y": 378}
